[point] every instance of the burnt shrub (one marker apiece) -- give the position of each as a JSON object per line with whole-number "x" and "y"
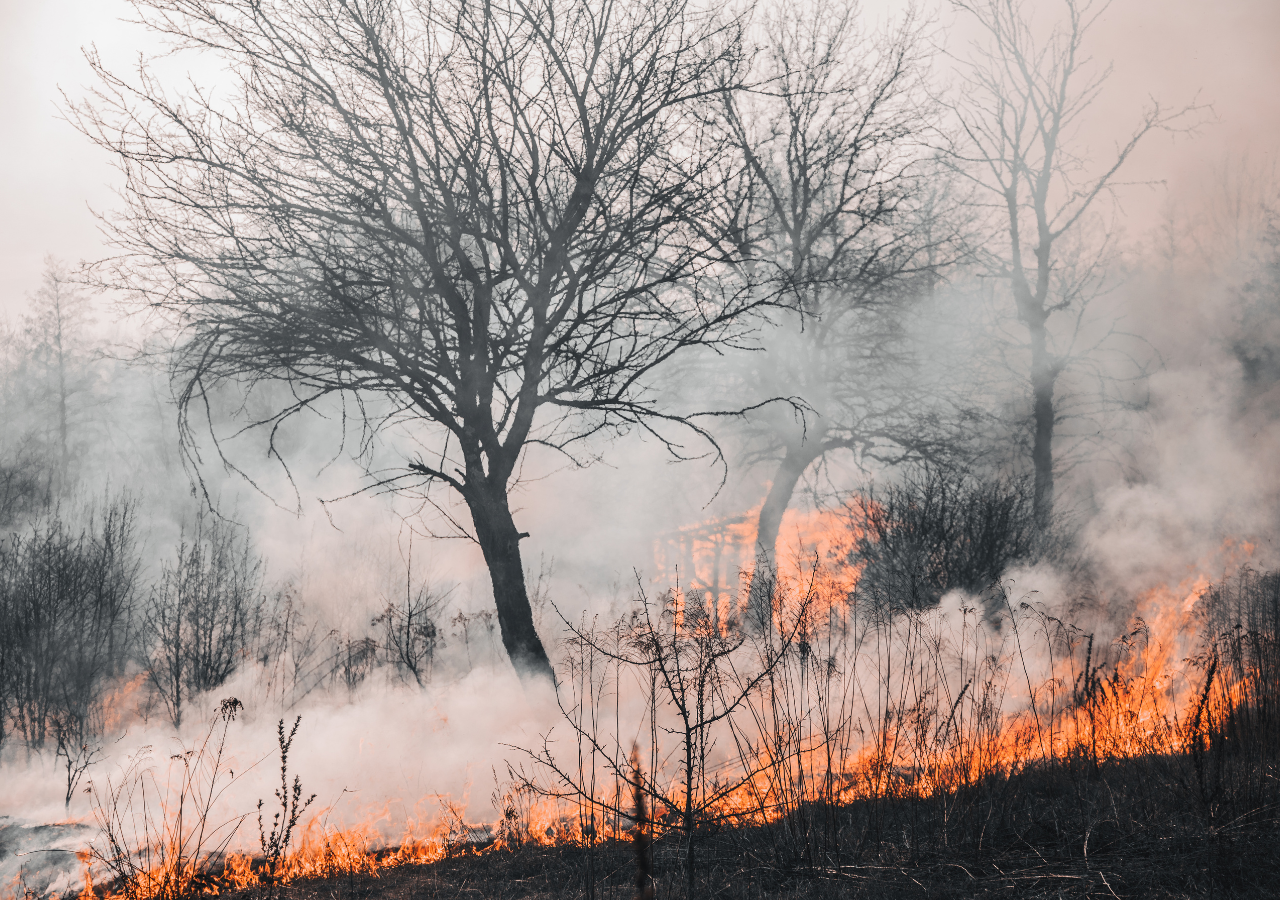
{"x": 1235, "y": 727}
{"x": 67, "y": 613}
{"x": 204, "y": 615}
{"x": 411, "y": 632}
{"x": 938, "y": 530}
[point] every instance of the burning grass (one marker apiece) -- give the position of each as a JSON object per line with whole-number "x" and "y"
{"x": 841, "y": 747}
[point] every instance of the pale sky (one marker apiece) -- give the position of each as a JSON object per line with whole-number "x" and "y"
{"x": 50, "y": 176}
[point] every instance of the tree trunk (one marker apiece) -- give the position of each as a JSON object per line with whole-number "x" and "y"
{"x": 1044, "y": 372}
{"x": 500, "y": 543}
{"x": 796, "y": 459}
{"x": 689, "y": 817}
{"x": 1043, "y": 377}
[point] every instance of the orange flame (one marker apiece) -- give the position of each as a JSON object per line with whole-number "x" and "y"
{"x": 1137, "y": 695}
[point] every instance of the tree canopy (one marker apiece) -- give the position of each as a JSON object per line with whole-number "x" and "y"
{"x": 485, "y": 213}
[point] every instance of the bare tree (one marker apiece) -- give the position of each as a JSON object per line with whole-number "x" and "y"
{"x": 46, "y": 369}
{"x": 475, "y": 214}
{"x": 1233, "y": 236}
{"x": 24, "y": 478}
{"x": 204, "y": 616}
{"x": 1256, "y": 341}
{"x": 412, "y": 631}
{"x": 1025, "y": 101}
{"x": 67, "y": 602}
{"x": 55, "y": 334}
{"x": 843, "y": 225}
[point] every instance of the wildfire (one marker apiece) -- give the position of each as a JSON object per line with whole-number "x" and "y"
{"x": 327, "y": 850}
{"x": 712, "y": 562}
{"x": 934, "y": 700}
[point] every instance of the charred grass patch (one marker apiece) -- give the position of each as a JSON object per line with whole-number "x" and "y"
{"x": 1051, "y": 832}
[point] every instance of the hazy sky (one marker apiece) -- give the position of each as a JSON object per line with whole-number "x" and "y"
{"x": 50, "y": 176}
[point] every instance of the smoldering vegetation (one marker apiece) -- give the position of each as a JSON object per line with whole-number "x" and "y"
{"x": 844, "y": 745}
{"x": 867, "y": 735}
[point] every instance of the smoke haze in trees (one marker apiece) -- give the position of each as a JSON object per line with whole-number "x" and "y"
{"x": 1156, "y": 485}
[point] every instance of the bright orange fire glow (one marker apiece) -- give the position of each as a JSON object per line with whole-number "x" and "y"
{"x": 326, "y": 851}
{"x": 1017, "y": 692}
{"x": 714, "y": 560}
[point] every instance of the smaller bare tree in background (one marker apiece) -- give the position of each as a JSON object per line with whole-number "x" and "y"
{"x": 843, "y": 222}
{"x": 48, "y": 370}
{"x": 411, "y": 630}
{"x": 60, "y": 352}
{"x": 1025, "y": 101}
{"x": 24, "y": 475}
{"x": 202, "y": 619}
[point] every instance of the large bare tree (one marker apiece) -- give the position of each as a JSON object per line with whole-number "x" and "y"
{"x": 1027, "y": 104}
{"x": 478, "y": 214}
{"x": 841, "y": 226}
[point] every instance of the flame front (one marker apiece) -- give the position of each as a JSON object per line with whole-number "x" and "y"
{"x": 865, "y": 704}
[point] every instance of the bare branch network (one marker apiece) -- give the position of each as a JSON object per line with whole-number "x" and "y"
{"x": 482, "y": 212}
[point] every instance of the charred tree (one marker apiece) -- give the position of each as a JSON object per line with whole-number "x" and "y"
{"x": 483, "y": 216}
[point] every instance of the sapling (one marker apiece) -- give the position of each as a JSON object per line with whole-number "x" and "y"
{"x": 275, "y": 843}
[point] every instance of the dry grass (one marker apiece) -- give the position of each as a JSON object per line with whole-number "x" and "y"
{"x": 851, "y": 752}
{"x": 1159, "y": 860}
